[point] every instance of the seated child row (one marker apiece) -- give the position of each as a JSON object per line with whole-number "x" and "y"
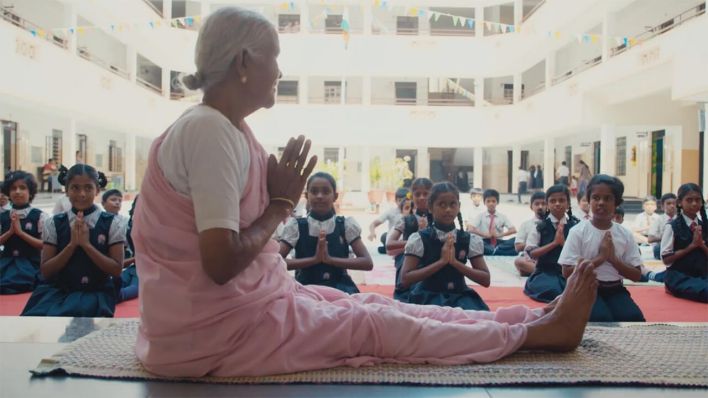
{"x": 72, "y": 262}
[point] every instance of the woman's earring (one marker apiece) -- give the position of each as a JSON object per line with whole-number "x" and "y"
{"x": 244, "y": 79}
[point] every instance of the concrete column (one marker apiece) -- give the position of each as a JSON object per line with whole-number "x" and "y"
{"x": 366, "y": 91}
{"x": 606, "y": 39}
{"x": 68, "y": 144}
{"x": 365, "y": 168}
{"x": 422, "y": 163}
{"x": 515, "y": 163}
{"x": 607, "y": 149}
{"x": 304, "y": 17}
{"x": 478, "y": 91}
{"x": 479, "y": 21}
{"x": 549, "y": 160}
{"x": 167, "y": 9}
{"x": 478, "y": 167}
{"x": 518, "y": 12}
{"x": 130, "y": 160}
{"x": 165, "y": 82}
{"x": 340, "y": 169}
{"x": 344, "y": 91}
{"x": 517, "y": 88}
{"x": 368, "y": 16}
{"x": 70, "y": 19}
{"x": 205, "y": 8}
{"x": 550, "y": 68}
{"x": 131, "y": 61}
{"x": 303, "y": 90}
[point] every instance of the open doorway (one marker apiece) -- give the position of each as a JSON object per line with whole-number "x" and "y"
{"x": 657, "y": 162}
{"x": 9, "y": 146}
{"x": 412, "y": 158}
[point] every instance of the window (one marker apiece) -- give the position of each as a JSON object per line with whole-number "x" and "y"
{"x": 288, "y": 23}
{"x": 115, "y": 157}
{"x": 569, "y": 158}
{"x": 406, "y": 92}
{"x": 287, "y": 91}
{"x": 54, "y": 146}
{"x": 83, "y": 145}
{"x": 331, "y": 155}
{"x": 508, "y": 90}
{"x": 406, "y": 25}
{"x": 621, "y": 156}
{"x": 333, "y": 24}
{"x": 332, "y": 92}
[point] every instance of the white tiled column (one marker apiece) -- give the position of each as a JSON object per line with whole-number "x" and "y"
{"x": 705, "y": 148}
{"x": 368, "y": 16}
{"x": 365, "y": 168}
{"x": 165, "y": 82}
{"x": 70, "y": 19}
{"x": 130, "y": 159}
{"x": 303, "y": 90}
{"x": 167, "y": 9}
{"x": 607, "y": 149}
{"x": 68, "y": 144}
{"x": 550, "y": 68}
{"x": 518, "y": 12}
{"x": 549, "y": 160}
{"x": 366, "y": 90}
{"x": 131, "y": 61}
{"x": 478, "y": 91}
{"x": 304, "y": 17}
{"x": 479, "y": 21}
{"x": 515, "y": 163}
{"x": 517, "y": 88}
{"x": 478, "y": 162}
{"x": 422, "y": 163}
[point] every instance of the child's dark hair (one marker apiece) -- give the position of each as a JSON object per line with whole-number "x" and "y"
{"x": 19, "y": 175}
{"x": 619, "y": 211}
{"x": 667, "y": 196}
{"x": 401, "y": 193}
{"x": 80, "y": 169}
{"x": 580, "y": 195}
{"x": 323, "y": 175}
{"x": 421, "y": 182}
{"x": 558, "y": 188}
{"x": 682, "y": 192}
{"x": 435, "y": 191}
{"x": 109, "y": 193}
{"x": 614, "y": 183}
{"x": 490, "y": 193}
{"x": 537, "y": 196}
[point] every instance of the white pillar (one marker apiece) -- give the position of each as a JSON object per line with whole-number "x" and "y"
{"x": 515, "y": 163}
{"x": 365, "y": 168}
{"x": 130, "y": 159}
{"x": 368, "y": 17}
{"x": 607, "y": 149}
{"x": 68, "y": 144}
{"x": 303, "y": 90}
{"x": 205, "y": 9}
{"x": 422, "y": 163}
{"x": 478, "y": 162}
{"x": 340, "y": 169}
{"x": 304, "y": 18}
{"x": 167, "y": 9}
{"x": 70, "y": 19}
{"x": 366, "y": 91}
{"x": 549, "y": 160}
{"x": 550, "y": 68}
{"x": 517, "y": 88}
{"x": 344, "y": 91}
{"x": 518, "y": 12}
{"x": 479, "y": 21}
{"x": 165, "y": 82}
{"x": 606, "y": 39}
{"x": 131, "y": 61}
{"x": 478, "y": 91}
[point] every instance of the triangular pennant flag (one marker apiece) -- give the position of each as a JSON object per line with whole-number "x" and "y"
{"x": 189, "y": 21}
{"x": 151, "y": 24}
{"x": 632, "y": 41}
{"x": 470, "y": 23}
{"x": 292, "y": 5}
{"x": 71, "y": 30}
{"x": 512, "y": 28}
{"x": 558, "y": 35}
{"x": 594, "y": 38}
{"x": 413, "y": 11}
{"x": 421, "y": 12}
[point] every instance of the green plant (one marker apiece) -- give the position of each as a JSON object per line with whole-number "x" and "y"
{"x": 329, "y": 167}
{"x": 375, "y": 173}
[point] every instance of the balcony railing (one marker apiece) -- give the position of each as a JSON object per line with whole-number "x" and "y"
{"x": 662, "y": 28}
{"x": 528, "y": 93}
{"x": 148, "y": 85}
{"x": 500, "y": 100}
{"x": 533, "y": 10}
{"x": 580, "y": 68}
{"x": 287, "y": 99}
{"x": 84, "y": 53}
{"x": 153, "y": 7}
{"x": 35, "y": 29}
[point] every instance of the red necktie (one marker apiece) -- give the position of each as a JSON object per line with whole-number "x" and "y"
{"x": 693, "y": 226}
{"x": 493, "y": 239}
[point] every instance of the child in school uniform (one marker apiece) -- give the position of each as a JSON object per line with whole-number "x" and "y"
{"x": 322, "y": 240}
{"x": 619, "y": 215}
{"x": 492, "y": 226}
{"x": 611, "y": 248}
{"x": 524, "y": 263}
{"x": 82, "y": 253}
{"x": 545, "y": 244}
{"x": 112, "y": 201}
{"x": 390, "y": 217}
{"x": 435, "y": 257}
{"x": 476, "y": 209}
{"x": 656, "y": 232}
{"x": 684, "y": 247}
{"x": 583, "y": 206}
{"x": 21, "y": 235}
{"x": 413, "y": 222}
{"x": 4, "y": 203}
{"x": 644, "y": 221}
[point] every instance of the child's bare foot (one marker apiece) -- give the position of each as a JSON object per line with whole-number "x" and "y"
{"x": 562, "y": 329}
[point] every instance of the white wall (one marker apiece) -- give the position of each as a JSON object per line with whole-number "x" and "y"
{"x": 575, "y": 54}
{"x": 102, "y": 46}
{"x": 47, "y": 14}
{"x": 534, "y": 76}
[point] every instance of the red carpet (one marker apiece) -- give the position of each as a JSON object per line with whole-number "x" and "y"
{"x": 656, "y": 305}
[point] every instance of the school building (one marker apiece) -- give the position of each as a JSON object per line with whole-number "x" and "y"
{"x": 460, "y": 90}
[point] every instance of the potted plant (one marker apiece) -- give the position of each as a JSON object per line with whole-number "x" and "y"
{"x": 375, "y": 194}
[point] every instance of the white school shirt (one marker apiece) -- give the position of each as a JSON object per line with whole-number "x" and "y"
{"x": 525, "y": 230}
{"x": 415, "y": 247}
{"x": 523, "y": 176}
{"x": 291, "y": 231}
{"x": 657, "y": 227}
{"x": 116, "y": 232}
{"x": 563, "y": 171}
{"x": 534, "y": 239}
{"x": 473, "y": 212}
{"x": 500, "y": 222}
{"x": 644, "y": 220}
{"x": 667, "y": 239}
{"x": 584, "y": 242}
{"x": 205, "y": 158}
{"x": 391, "y": 216}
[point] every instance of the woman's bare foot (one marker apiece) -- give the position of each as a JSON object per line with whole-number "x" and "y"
{"x": 562, "y": 329}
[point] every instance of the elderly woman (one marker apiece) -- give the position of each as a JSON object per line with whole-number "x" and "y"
{"x": 215, "y": 297}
